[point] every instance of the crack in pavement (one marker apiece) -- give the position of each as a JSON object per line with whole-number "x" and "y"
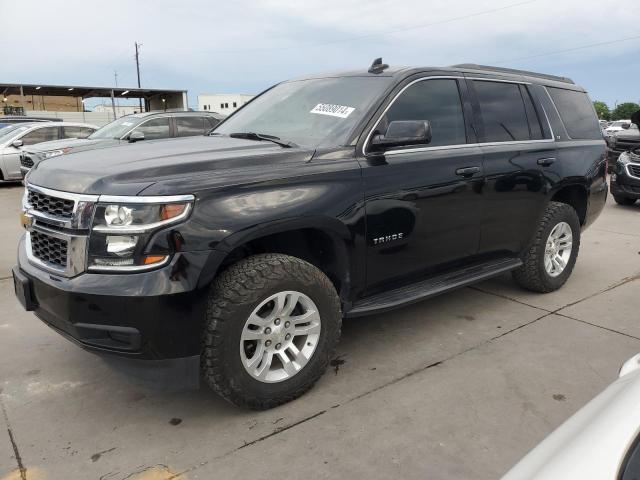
{"x": 597, "y": 326}
{"x": 507, "y": 297}
{"x": 16, "y": 452}
{"x": 358, "y": 397}
{"x": 625, "y": 280}
{"x": 616, "y": 233}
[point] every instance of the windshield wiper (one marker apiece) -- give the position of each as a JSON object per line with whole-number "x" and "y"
{"x": 262, "y": 137}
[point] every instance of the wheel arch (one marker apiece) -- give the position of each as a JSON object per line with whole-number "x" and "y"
{"x": 324, "y": 242}
{"x": 575, "y": 195}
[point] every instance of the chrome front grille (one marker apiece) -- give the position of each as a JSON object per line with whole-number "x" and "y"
{"x": 58, "y": 207}
{"x": 49, "y": 249}
{"x": 58, "y": 229}
{"x": 634, "y": 169}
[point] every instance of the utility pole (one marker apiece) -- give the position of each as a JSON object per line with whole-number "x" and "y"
{"x": 115, "y": 78}
{"x": 138, "y": 70}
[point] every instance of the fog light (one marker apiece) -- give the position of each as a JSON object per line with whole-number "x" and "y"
{"x": 121, "y": 245}
{"x": 614, "y": 177}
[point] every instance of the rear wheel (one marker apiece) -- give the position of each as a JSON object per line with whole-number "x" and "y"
{"x": 552, "y": 254}
{"x": 273, "y": 322}
{"x": 620, "y": 200}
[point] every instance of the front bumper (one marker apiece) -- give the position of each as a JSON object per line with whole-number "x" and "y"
{"x": 155, "y": 315}
{"x": 623, "y": 184}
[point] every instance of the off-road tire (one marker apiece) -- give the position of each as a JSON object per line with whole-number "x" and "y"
{"x": 532, "y": 275}
{"x": 234, "y": 295}
{"x": 620, "y": 200}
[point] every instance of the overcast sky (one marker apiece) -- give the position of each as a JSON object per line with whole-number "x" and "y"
{"x": 243, "y": 46}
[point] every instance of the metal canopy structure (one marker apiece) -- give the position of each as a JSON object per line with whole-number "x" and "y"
{"x": 154, "y": 99}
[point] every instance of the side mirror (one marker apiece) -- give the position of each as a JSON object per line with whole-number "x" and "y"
{"x": 402, "y": 133}
{"x": 136, "y": 136}
{"x": 17, "y": 143}
{"x": 626, "y": 126}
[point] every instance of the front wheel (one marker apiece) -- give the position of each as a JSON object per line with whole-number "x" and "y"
{"x": 273, "y": 322}
{"x": 552, "y": 254}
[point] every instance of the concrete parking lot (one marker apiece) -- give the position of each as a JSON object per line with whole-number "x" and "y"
{"x": 458, "y": 387}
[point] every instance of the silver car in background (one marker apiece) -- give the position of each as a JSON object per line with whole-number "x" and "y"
{"x": 14, "y": 137}
{"x": 600, "y": 442}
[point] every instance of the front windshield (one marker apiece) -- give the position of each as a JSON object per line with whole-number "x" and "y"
{"x": 308, "y": 112}
{"x": 115, "y": 129}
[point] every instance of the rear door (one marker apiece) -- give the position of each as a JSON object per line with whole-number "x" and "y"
{"x": 189, "y": 126}
{"x": 422, "y": 210}
{"x": 76, "y": 131}
{"x": 519, "y": 163}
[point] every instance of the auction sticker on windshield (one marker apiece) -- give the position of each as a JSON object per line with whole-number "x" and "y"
{"x": 333, "y": 110}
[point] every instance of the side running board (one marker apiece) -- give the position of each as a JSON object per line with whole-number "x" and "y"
{"x": 433, "y": 286}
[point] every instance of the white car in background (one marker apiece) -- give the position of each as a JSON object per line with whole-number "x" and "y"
{"x": 14, "y": 137}
{"x": 617, "y": 126}
{"x": 600, "y": 442}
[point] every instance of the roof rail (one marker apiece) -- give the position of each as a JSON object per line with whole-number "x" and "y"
{"x": 474, "y": 66}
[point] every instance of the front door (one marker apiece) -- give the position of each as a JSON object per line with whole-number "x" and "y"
{"x": 423, "y": 202}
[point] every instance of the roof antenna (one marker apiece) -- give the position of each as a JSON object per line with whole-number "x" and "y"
{"x": 377, "y": 66}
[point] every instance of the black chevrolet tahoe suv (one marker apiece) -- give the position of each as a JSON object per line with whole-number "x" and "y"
{"x": 625, "y": 177}
{"x": 237, "y": 255}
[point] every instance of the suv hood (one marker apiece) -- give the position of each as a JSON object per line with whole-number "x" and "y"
{"x": 189, "y": 163}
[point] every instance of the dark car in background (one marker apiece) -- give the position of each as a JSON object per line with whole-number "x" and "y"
{"x": 131, "y": 128}
{"x": 625, "y": 176}
{"x": 623, "y": 141}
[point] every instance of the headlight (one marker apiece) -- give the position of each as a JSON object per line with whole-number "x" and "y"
{"x": 122, "y": 229}
{"x": 624, "y": 158}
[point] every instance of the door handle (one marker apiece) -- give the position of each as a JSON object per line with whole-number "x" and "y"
{"x": 467, "y": 171}
{"x": 545, "y": 162}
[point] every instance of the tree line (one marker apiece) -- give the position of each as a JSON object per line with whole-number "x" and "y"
{"x": 622, "y": 112}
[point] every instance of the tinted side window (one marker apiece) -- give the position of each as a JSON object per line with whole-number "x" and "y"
{"x": 577, "y": 113}
{"x": 156, "y": 128}
{"x": 535, "y": 126}
{"x": 40, "y": 135}
{"x": 437, "y": 101}
{"x": 502, "y": 110}
{"x": 189, "y": 126}
{"x": 76, "y": 132}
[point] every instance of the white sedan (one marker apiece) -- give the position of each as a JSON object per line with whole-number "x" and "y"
{"x": 600, "y": 442}
{"x": 13, "y": 137}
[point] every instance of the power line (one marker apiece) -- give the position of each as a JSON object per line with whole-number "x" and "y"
{"x": 558, "y": 52}
{"x": 370, "y": 35}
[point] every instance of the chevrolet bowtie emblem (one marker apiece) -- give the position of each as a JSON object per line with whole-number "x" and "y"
{"x": 25, "y": 219}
